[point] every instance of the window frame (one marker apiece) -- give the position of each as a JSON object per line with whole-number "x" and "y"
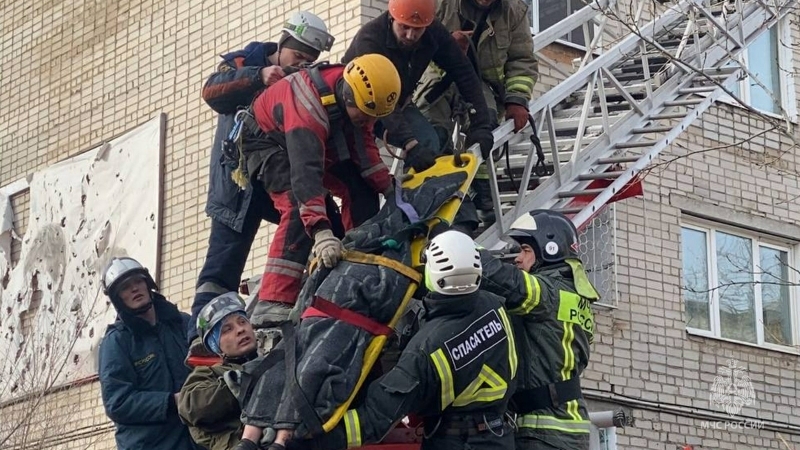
{"x": 787, "y": 97}
{"x": 534, "y": 16}
{"x": 757, "y": 240}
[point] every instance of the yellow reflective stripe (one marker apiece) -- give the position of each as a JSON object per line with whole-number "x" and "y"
{"x": 495, "y": 389}
{"x": 493, "y": 73}
{"x": 572, "y": 410}
{"x": 445, "y": 377}
{"x": 352, "y": 428}
{"x": 519, "y": 84}
{"x": 512, "y": 346}
{"x": 533, "y": 294}
{"x": 569, "y": 355}
{"x": 553, "y": 423}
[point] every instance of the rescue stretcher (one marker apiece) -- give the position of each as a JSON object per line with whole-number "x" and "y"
{"x": 406, "y": 435}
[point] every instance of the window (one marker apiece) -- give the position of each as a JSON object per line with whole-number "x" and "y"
{"x": 769, "y": 58}
{"x": 546, "y": 13}
{"x": 738, "y": 286}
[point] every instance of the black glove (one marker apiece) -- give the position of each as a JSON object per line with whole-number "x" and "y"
{"x": 484, "y": 138}
{"x": 420, "y": 158}
{"x": 246, "y": 444}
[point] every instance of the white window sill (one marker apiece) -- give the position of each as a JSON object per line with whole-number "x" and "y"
{"x": 773, "y": 347}
{"x": 729, "y": 101}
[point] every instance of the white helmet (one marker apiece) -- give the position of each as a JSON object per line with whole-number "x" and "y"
{"x": 452, "y": 264}
{"x": 117, "y": 272}
{"x": 309, "y": 29}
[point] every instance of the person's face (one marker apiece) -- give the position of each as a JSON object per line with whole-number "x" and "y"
{"x": 526, "y": 258}
{"x": 359, "y": 118}
{"x": 294, "y": 58}
{"x": 134, "y": 292}
{"x": 237, "y": 338}
{"x": 407, "y": 36}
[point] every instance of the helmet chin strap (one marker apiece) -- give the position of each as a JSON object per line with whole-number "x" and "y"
{"x": 142, "y": 309}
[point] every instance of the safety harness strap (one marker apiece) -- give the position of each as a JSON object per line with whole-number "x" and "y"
{"x": 328, "y": 99}
{"x": 321, "y": 307}
{"x": 366, "y": 258}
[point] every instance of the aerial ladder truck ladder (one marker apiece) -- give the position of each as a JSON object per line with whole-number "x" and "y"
{"x": 625, "y": 103}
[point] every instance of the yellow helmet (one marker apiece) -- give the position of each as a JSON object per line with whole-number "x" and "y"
{"x": 372, "y": 85}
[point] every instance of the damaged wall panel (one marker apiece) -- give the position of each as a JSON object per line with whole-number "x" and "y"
{"x": 83, "y": 211}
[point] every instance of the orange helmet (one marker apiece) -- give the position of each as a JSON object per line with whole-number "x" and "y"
{"x": 413, "y": 13}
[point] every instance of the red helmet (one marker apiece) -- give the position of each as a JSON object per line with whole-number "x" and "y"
{"x": 413, "y": 13}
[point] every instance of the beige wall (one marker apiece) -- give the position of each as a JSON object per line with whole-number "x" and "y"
{"x": 77, "y": 73}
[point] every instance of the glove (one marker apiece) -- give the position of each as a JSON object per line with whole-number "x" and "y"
{"x": 462, "y": 39}
{"x": 246, "y": 444}
{"x": 402, "y": 178}
{"x": 328, "y": 248}
{"x": 233, "y": 379}
{"x": 420, "y": 158}
{"x": 484, "y": 138}
{"x": 519, "y": 113}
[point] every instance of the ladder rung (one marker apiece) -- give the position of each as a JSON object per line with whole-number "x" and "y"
{"x": 697, "y": 89}
{"x": 719, "y": 71}
{"x": 635, "y": 144}
{"x": 666, "y": 116}
{"x": 580, "y": 192}
{"x": 689, "y": 102}
{"x": 600, "y": 175}
{"x": 646, "y": 130}
{"x": 573, "y": 210}
{"x": 618, "y": 160}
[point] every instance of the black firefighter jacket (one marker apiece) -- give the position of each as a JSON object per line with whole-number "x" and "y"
{"x": 554, "y": 324}
{"x": 458, "y": 369}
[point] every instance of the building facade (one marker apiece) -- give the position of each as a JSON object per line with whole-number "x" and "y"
{"x": 704, "y": 305}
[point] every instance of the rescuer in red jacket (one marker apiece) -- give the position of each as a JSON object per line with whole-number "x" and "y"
{"x": 316, "y": 129}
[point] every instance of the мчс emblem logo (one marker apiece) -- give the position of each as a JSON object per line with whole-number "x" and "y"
{"x": 732, "y": 388}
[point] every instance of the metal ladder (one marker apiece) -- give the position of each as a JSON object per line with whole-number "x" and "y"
{"x": 625, "y": 103}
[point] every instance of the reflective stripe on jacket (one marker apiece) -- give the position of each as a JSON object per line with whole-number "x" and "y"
{"x": 505, "y": 48}
{"x": 554, "y": 324}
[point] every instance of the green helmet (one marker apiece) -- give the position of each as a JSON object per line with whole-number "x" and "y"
{"x": 215, "y": 312}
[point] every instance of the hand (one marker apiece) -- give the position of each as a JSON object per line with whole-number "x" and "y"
{"x": 519, "y": 113}
{"x": 271, "y": 74}
{"x": 420, "y": 157}
{"x": 328, "y": 248}
{"x": 462, "y": 39}
{"x": 400, "y": 179}
{"x": 482, "y": 137}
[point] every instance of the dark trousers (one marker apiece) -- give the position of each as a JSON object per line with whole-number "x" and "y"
{"x": 227, "y": 253}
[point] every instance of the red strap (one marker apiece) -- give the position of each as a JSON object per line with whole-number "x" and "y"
{"x": 324, "y": 308}
{"x": 197, "y": 361}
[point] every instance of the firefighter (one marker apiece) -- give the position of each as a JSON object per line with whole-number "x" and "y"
{"x": 496, "y": 37}
{"x": 141, "y": 361}
{"x": 456, "y": 373}
{"x": 236, "y": 213}
{"x": 411, "y": 37}
{"x": 316, "y": 130}
{"x": 549, "y": 296}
